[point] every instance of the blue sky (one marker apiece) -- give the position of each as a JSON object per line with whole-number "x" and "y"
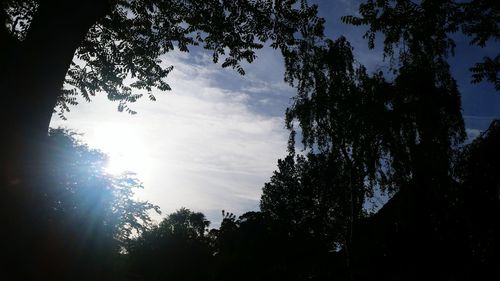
{"x": 214, "y": 140}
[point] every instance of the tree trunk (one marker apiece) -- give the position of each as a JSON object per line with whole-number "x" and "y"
{"x": 32, "y": 73}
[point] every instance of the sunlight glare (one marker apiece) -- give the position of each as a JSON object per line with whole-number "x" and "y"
{"x": 125, "y": 147}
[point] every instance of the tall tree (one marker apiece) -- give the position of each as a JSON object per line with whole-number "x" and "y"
{"x": 339, "y": 111}
{"x": 396, "y": 132}
{"x": 425, "y": 127}
{"x": 425, "y": 107}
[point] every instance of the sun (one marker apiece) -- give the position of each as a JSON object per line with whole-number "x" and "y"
{"x": 118, "y": 164}
{"x": 125, "y": 147}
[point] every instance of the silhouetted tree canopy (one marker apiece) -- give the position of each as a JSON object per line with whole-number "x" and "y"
{"x": 336, "y": 109}
{"x": 118, "y": 46}
{"x": 363, "y": 134}
{"x": 427, "y": 27}
{"x": 177, "y": 249}
{"x": 366, "y": 119}
{"x": 307, "y": 195}
{"x": 81, "y": 222}
{"x": 83, "y": 187}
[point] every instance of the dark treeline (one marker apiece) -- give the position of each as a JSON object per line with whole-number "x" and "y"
{"x": 97, "y": 231}
{"x": 354, "y": 136}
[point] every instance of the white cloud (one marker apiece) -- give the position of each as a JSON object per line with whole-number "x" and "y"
{"x": 200, "y": 146}
{"x": 472, "y": 134}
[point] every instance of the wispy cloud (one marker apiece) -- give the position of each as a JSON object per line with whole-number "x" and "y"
{"x": 203, "y": 145}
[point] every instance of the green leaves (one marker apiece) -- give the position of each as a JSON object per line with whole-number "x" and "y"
{"x": 362, "y": 132}
{"x": 122, "y": 52}
{"x": 121, "y": 55}
{"x": 487, "y": 71}
{"x": 18, "y": 16}
{"x": 84, "y": 195}
{"x": 426, "y": 28}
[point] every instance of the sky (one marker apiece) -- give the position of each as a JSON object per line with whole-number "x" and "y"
{"x": 212, "y": 142}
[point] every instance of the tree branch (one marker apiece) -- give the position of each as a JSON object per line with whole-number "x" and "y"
{"x": 5, "y": 37}
{"x": 44, "y": 56}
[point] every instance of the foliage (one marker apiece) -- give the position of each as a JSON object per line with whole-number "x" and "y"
{"x": 427, "y": 26}
{"x": 361, "y": 132}
{"x": 365, "y": 133}
{"x": 307, "y": 195}
{"x": 177, "y": 249}
{"x": 85, "y": 194}
{"x": 79, "y": 216}
{"x": 336, "y": 109}
{"x": 122, "y": 51}
{"x": 477, "y": 171}
{"x": 18, "y": 16}
{"x": 487, "y": 70}
{"x": 253, "y": 246}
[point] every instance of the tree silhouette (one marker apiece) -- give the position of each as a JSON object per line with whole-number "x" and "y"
{"x": 248, "y": 243}
{"x": 256, "y": 246}
{"x": 307, "y": 197}
{"x": 426, "y": 126}
{"x": 177, "y": 249}
{"x": 479, "y": 199}
{"x": 76, "y": 227}
{"x": 362, "y": 133}
{"x": 428, "y": 26}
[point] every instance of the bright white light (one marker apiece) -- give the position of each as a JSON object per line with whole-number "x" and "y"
{"x": 125, "y": 147}
{"x": 118, "y": 164}
{"x": 201, "y": 146}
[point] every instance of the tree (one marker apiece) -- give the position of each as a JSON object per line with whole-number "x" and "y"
{"x": 309, "y": 202}
{"x": 249, "y": 248}
{"x": 478, "y": 198}
{"x": 428, "y": 26}
{"x": 82, "y": 220}
{"x": 394, "y": 131}
{"x": 177, "y": 249}
{"x": 307, "y": 196}
{"x": 339, "y": 111}
{"x": 53, "y": 51}
{"x": 427, "y": 123}
{"x": 425, "y": 129}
